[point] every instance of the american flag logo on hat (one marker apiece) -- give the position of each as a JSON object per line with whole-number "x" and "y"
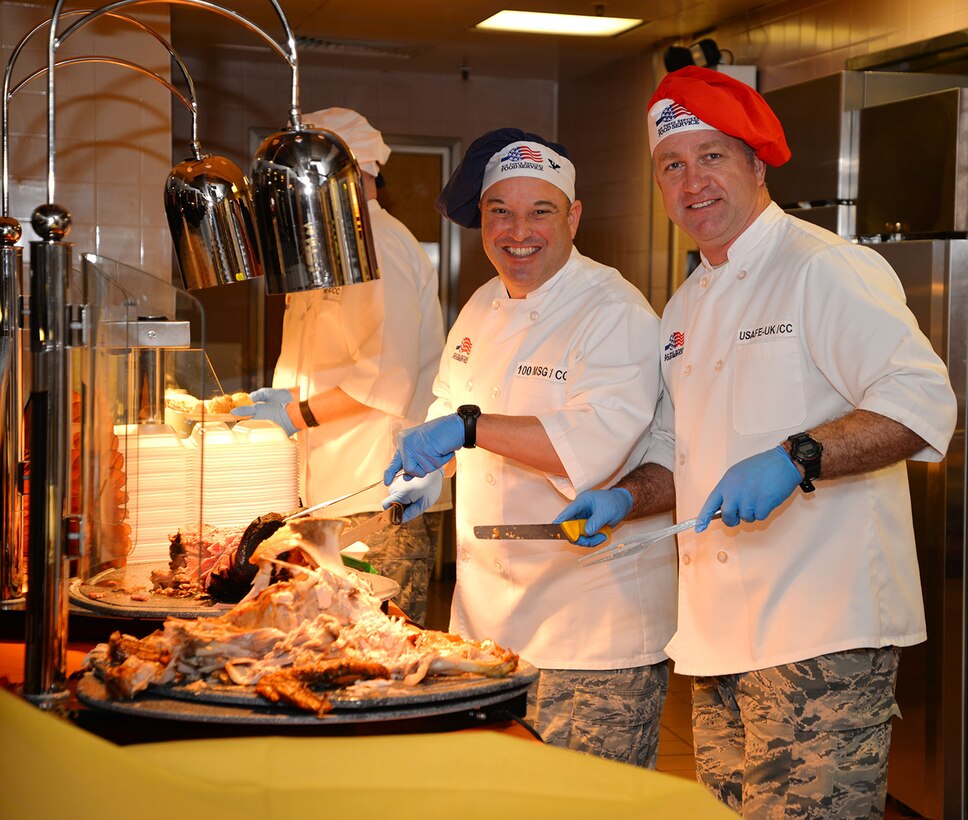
{"x": 671, "y": 112}
{"x": 522, "y": 153}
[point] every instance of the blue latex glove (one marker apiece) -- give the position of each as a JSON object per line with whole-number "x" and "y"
{"x": 426, "y": 447}
{"x": 416, "y": 494}
{"x": 752, "y": 489}
{"x": 600, "y": 507}
{"x": 270, "y": 404}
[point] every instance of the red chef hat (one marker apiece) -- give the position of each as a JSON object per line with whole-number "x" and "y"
{"x": 694, "y": 98}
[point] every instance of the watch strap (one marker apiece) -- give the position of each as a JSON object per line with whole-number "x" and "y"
{"x": 469, "y": 414}
{"x": 307, "y": 414}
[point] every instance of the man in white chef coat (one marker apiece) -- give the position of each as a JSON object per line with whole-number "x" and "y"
{"x": 789, "y": 358}
{"x": 546, "y": 387}
{"x": 356, "y": 366}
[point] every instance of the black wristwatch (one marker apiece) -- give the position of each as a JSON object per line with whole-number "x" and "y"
{"x": 470, "y": 413}
{"x": 806, "y": 451}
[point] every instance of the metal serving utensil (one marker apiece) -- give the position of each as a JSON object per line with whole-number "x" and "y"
{"x": 330, "y": 502}
{"x": 624, "y": 548}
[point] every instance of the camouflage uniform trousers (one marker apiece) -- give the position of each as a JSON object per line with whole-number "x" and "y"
{"x": 807, "y": 739}
{"x": 406, "y": 553}
{"x": 612, "y": 713}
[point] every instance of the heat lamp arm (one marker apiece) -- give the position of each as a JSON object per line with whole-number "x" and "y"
{"x": 110, "y": 61}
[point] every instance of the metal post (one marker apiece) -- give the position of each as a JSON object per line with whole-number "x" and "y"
{"x": 45, "y": 664}
{"x": 11, "y": 413}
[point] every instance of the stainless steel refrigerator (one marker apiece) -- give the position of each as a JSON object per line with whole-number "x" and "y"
{"x": 927, "y": 761}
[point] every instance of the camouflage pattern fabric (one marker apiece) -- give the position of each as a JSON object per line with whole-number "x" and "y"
{"x": 807, "y": 739}
{"x": 612, "y": 713}
{"x": 407, "y": 554}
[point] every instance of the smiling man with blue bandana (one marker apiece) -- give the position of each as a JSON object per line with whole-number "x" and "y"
{"x": 547, "y": 387}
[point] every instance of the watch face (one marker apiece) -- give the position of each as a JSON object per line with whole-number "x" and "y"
{"x": 807, "y": 449}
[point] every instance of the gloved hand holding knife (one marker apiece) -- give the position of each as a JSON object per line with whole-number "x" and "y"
{"x": 421, "y": 453}
{"x": 416, "y": 493}
{"x": 601, "y": 508}
{"x": 751, "y": 489}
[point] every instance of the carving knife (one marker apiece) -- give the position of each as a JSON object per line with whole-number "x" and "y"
{"x": 565, "y": 531}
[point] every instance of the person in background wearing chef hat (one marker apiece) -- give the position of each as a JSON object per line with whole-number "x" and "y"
{"x": 363, "y": 360}
{"x": 788, "y": 358}
{"x": 546, "y": 387}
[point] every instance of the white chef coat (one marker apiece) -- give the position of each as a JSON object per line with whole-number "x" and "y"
{"x": 380, "y": 342}
{"x": 797, "y": 328}
{"x": 578, "y": 353}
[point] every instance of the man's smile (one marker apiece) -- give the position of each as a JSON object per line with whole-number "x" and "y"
{"x": 520, "y": 252}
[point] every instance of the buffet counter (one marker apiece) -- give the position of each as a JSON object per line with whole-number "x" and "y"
{"x": 56, "y": 767}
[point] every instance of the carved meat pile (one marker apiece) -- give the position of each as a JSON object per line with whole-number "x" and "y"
{"x": 291, "y": 639}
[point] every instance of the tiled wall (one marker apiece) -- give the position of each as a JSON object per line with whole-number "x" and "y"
{"x": 113, "y": 144}
{"x": 399, "y": 104}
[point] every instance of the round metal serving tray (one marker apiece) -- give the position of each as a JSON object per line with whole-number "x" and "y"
{"x": 126, "y": 592}
{"x": 356, "y": 704}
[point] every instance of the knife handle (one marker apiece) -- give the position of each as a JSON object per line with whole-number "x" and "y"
{"x": 575, "y": 528}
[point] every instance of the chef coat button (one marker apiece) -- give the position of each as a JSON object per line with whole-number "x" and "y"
{"x": 495, "y": 392}
{"x": 499, "y": 567}
{"x": 489, "y": 479}
{"x": 533, "y": 315}
{"x": 682, "y": 458}
{"x": 704, "y": 282}
{"x": 718, "y": 365}
{"x": 686, "y": 558}
{"x": 469, "y": 386}
{"x": 687, "y": 370}
{"x": 741, "y": 275}
{"x": 464, "y": 555}
{"x": 722, "y": 557}
{"x": 496, "y": 305}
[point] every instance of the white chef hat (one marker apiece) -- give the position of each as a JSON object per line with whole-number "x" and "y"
{"x": 531, "y": 159}
{"x": 364, "y": 140}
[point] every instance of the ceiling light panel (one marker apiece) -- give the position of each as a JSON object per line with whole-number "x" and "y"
{"x": 533, "y": 22}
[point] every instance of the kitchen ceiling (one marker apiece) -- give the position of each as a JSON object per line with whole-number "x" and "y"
{"x": 438, "y": 36}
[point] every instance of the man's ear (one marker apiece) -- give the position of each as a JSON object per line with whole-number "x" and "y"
{"x": 574, "y": 217}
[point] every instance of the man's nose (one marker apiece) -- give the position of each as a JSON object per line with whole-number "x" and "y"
{"x": 695, "y": 178}
{"x": 520, "y": 227}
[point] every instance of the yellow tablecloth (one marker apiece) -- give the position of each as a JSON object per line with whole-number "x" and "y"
{"x": 49, "y": 768}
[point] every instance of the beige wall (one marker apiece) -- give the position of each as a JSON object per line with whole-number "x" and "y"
{"x": 113, "y": 127}
{"x": 238, "y": 94}
{"x": 802, "y": 39}
{"x": 602, "y": 117}
{"x": 113, "y": 144}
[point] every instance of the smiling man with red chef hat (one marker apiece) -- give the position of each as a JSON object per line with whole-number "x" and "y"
{"x": 789, "y": 357}
{"x": 547, "y": 387}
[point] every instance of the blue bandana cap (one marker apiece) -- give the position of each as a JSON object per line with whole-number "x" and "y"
{"x": 459, "y": 199}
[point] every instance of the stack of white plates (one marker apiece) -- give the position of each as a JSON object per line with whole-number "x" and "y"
{"x": 156, "y": 469}
{"x": 221, "y": 476}
{"x": 243, "y": 472}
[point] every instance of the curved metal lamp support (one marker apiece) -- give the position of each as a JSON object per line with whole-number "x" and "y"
{"x": 326, "y": 234}
{"x": 12, "y": 469}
